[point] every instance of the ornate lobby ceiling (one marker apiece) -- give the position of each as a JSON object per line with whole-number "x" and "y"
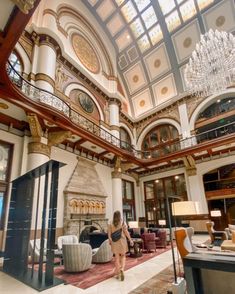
{"x": 153, "y": 40}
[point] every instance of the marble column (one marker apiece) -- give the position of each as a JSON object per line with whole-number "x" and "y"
{"x": 114, "y": 117}
{"x": 117, "y": 186}
{"x": 38, "y": 149}
{"x": 46, "y": 65}
{"x": 196, "y": 192}
{"x": 185, "y": 128}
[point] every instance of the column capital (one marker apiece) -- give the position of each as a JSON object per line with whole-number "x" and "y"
{"x": 190, "y": 165}
{"x": 114, "y": 128}
{"x": 114, "y": 101}
{"x": 116, "y": 175}
{"x": 40, "y": 148}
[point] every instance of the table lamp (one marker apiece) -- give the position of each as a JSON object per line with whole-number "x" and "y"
{"x": 133, "y": 224}
{"x": 179, "y": 208}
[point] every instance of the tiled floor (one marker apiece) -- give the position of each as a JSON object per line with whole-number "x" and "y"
{"x": 134, "y": 277}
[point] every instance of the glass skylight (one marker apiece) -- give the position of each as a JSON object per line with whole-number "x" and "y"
{"x": 166, "y": 5}
{"x": 180, "y": 1}
{"x": 188, "y": 10}
{"x": 204, "y": 3}
{"x": 141, "y": 4}
{"x": 149, "y": 17}
{"x": 129, "y": 11}
{"x": 143, "y": 43}
{"x": 173, "y": 20}
{"x": 119, "y": 2}
{"x": 155, "y": 34}
{"x": 137, "y": 28}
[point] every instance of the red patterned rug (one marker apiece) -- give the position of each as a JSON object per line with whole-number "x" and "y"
{"x": 100, "y": 272}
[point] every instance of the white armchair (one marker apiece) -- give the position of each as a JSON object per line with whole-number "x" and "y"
{"x": 77, "y": 257}
{"x": 67, "y": 239}
{"x": 103, "y": 253}
{"x": 34, "y": 250}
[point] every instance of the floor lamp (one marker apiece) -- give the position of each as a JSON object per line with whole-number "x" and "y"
{"x": 179, "y": 208}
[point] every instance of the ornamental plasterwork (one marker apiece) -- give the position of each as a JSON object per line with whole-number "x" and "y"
{"x": 55, "y": 138}
{"x": 60, "y": 77}
{"x": 40, "y": 148}
{"x": 192, "y": 104}
{"x": 35, "y": 127}
{"x": 27, "y": 45}
{"x": 85, "y": 53}
{"x": 24, "y": 5}
{"x": 170, "y": 113}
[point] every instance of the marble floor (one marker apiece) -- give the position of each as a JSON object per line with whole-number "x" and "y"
{"x": 134, "y": 277}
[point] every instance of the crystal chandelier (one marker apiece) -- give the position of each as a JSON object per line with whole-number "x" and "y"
{"x": 211, "y": 68}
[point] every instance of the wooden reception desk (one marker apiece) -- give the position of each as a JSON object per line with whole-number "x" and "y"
{"x": 209, "y": 273}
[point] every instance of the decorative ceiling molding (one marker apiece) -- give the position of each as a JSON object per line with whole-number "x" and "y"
{"x": 24, "y": 5}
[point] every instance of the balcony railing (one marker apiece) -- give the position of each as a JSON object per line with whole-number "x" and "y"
{"x": 44, "y": 97}
{"x": 57, "y": 104}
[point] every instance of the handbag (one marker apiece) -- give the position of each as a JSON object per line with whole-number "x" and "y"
{"x": 115, "y": 236}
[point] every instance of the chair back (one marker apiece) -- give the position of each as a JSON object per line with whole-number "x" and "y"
{"x": 183, "y": 243}
{"x": 34, "y": 249}
{"x": 149, "y": 241}
{"x": 103, "y": 253}
{"x": 77, "y": 257}
{"x": 67, "y": 239}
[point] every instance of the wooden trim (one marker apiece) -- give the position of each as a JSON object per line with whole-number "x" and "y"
{"x": 13, "y": 30}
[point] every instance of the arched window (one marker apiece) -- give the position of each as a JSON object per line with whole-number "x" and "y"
{"x": 216, "y": 120}
{"x": 17, "y": 66}
{"x": 161, "y": 140}
{"x": 125, "y": 139}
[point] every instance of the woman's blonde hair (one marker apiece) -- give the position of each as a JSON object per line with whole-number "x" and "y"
{"x": 116, "y": 218}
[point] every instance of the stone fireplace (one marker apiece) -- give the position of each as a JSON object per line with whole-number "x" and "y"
{"x": 85, "y": 200}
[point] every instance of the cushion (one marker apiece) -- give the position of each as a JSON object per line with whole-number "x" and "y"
{"x": 136, "y": 232}
{"x": 231, "y": 227}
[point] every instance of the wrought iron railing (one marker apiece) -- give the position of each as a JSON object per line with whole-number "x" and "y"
{"x": 44, "y": 97}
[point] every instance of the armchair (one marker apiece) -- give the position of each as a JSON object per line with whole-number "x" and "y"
{"x": 183, "y": 242}
{"x": 161, "y": 238}
{"x": 149, "y": 241}
{"x": 34, "y": 249}
{"x": 216, "y": 236}
{"x": 103, "y": 253}
{"x": 68, "y": 239}
{"x": 229, "y": 230}
{"x": 77, "y": 257}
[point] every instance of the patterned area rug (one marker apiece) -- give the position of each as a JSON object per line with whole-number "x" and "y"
{"x": 100, "y": 272}
{"x": 159, "y": 284}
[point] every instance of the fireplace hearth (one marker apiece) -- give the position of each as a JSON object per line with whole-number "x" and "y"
{"x": 85, "y": 201}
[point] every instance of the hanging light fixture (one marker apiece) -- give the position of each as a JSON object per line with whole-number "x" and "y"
{"x": 211, "y": 68}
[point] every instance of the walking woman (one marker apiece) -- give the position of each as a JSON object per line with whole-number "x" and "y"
{"x": 119, "y": 247}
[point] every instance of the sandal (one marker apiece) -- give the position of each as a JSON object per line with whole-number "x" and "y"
{"x": 122, "y": 275}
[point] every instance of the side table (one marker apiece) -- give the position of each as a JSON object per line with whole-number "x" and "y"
{"x": 136, "y": 249}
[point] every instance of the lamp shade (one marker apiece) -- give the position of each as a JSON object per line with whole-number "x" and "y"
{"x": 133, "y": 224}
{"x": 162, "y": 222}
{"x": 215, "y": 213}
{"x": 181, "y": 208}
